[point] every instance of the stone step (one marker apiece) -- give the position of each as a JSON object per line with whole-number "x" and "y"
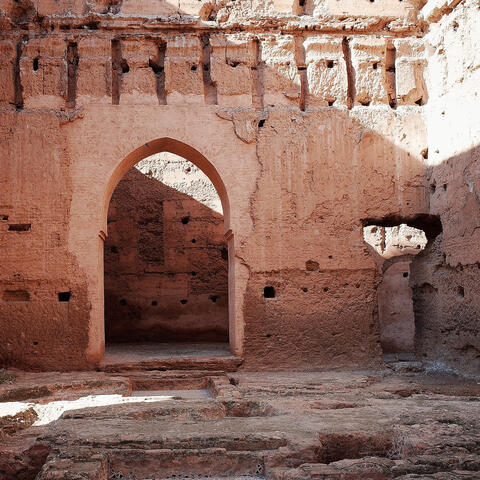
{"x": 164, "y": 356}
{"x": 167, "y": 463}
{"x": 124, "y": 464}
{"x": 226, "y": 363}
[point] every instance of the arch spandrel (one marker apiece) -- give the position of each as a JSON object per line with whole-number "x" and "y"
{"x": 176, "y": 147}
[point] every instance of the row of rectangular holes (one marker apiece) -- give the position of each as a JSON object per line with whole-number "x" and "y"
{"x": 120, "y": 66}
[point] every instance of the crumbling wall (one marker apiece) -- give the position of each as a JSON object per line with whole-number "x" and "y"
{"x": 395, "y": 310}
{"x": 165, "y": 256}
{"x": 44, "y": 296}
{"x": 309, "y": 119}
{"x": 323, "y": 273}
{"x": 393, "y": 245}
{"x": 446, "y": 276}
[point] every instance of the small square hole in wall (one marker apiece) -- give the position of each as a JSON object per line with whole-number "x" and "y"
{"x": 64, "y": 296}
{"x": 16, "y": 296}
{"x": 19, "y": 227}
{"x": 269, "y": 292}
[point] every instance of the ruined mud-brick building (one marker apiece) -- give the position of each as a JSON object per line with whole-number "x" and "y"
{"x": 306, "y": 182}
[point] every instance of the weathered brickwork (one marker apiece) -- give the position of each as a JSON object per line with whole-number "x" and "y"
{"x": 311, "y": 119}
{"x": 165, "y": 256}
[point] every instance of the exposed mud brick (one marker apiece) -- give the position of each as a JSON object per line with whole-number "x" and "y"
{"x": 316, "y": 335}
{"x": 195, "y": 462}
{"x": 326, "y": 71}
{"x": 351, "y": 469}
{"x": 7, "y": 66}
{"x": 385, "y": 8}
{"x": 279, "y": 78}
{"x": 243, "y": 89}
{"x": 409, "y": 67}
{"x": 22, "y": 457}
{"x": 43, "y": 72}
{"x": 334, "y": 447}
{"x": 166, "y": 279}
{"x": 446, "y": 309}
{"x": 139, "y": 83}
{"x": 397, "y": 322}
{"x": 445, "y": 276}
{"x": 257, "y": 424}
{"x": 94, "y": 75}
{"x": 368, "y": 59}
{"x": 31, "y": 346}
{"x": 233, "y": 57}
{"x": 183, "y": 70}
{"x": 93, "y": 468}
{"x": 11, "y": 424}
{"x": 149, "y": 7}
{"x": 62, "y": 7}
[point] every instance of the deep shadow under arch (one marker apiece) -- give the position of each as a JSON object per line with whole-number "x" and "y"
{"x": 166, "y": 261}
{"x": 190, "y": 154}
{"x": 178, "y": 148}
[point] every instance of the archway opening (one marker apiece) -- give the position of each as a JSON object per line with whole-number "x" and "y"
{"x": 395, "y": 247}
{"x": 166, "y": 261}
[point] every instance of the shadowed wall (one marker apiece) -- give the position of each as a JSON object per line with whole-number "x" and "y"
{"x": 308, "y": 121}
{"x": 445, "y": 277}
{"x": 165, "y": 260}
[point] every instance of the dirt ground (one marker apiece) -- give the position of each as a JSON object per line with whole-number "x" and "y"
{"x": 400, "y": 422}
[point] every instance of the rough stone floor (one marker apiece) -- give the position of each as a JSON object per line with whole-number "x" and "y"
{"x": 151, "y": 350}
{"x": 394, "y": 423}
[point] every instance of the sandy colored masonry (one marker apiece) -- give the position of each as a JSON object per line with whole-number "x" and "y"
{"x": 312, "y": 119}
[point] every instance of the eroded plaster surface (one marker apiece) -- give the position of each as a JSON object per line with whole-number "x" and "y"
{"x": 312, "y": 121}
{"x": 166, "y": 259}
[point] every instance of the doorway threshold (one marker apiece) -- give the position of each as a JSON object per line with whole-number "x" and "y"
{"x": 169, "y": 356}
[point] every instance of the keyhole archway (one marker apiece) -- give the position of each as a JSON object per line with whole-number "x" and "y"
{"x": 125, "y": 172}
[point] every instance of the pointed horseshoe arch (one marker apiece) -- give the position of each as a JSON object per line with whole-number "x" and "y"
{"x": 178, "y": 148}
{"x": 189, "y": 153}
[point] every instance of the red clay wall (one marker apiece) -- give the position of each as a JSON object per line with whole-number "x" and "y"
{"x": 445, "y": 278}
{"x": 301, "y": 132}
{"x": 395, "y": 310}
{"x": 165, "y": 261}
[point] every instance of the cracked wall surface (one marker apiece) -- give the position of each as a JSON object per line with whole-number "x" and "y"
{"x": 307, "y": 121}
{"x": 445, "y": 276}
